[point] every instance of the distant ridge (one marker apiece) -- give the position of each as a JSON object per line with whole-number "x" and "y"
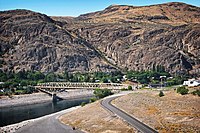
{"x": 116, "y": 38}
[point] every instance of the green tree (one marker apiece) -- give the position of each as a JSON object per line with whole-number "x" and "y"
{"x": 20, "y": 75}
{"x": 104, "y": 80}
{"x": 38, "y": 75}
{"x": 66, "y": 76}
{"x": 24, "y": 83}
{"x": 101, "y": 93}
{"x": 51, "y": 77}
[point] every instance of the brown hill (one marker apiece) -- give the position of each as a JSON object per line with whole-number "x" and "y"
{"x": 119, "y": 37}
{"x": 33, "y": 41}
{"x": 160, "y": 35}
{"x": 170, "y": 13}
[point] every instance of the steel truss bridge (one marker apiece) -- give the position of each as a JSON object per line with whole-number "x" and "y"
{"x": 53, "y": 86}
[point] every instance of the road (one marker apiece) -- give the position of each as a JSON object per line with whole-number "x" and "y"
{"x": 49, "y": 124}
{"x": 106, "y": 103}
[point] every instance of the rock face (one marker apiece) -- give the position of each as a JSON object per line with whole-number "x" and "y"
{"x": 119, "y": 37}
{"x": 33, "y": 41}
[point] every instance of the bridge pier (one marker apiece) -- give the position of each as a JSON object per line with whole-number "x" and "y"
{"x": 54, "y": 97}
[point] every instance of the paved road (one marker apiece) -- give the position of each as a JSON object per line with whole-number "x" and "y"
{"x": 48, "y": 125}
{"x": 106, "y": 103}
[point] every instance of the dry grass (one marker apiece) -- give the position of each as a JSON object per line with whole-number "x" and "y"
{"x": 171, "y": 113}
{"x": 168, "y": 114}
{"x": 94, "y": 119}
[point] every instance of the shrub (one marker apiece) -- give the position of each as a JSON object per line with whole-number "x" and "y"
{"x": 161, "y": 94}
{"x": 123, "y": 89}
{"x": 197, "y": 92}
{"x": 83, "y": 104}
{"x": 182, "y": 90}
{"x": 93, "y": 99}
{"x": 101, "y": 93}
{"x": 129, "y": 87}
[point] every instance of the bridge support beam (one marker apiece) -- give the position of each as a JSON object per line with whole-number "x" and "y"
{"x": 54, "y": 97}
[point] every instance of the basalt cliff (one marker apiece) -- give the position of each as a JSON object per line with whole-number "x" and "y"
{"x": 119, "y": 37}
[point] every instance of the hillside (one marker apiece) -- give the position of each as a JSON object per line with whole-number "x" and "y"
{"x": 170, "y": 13}
{"x": 119, "y": 37}
{"x": 33, "y": 41}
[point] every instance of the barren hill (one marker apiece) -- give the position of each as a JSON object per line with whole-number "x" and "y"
{"x": 119, "y": 37}
{"x": 170, "y": 13}
{"x": 33, "y": 41}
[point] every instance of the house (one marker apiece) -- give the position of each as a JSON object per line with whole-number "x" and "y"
{"x": 192, "y": 83}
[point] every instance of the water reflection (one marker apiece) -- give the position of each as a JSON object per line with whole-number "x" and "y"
{"x": 17, "y": 114}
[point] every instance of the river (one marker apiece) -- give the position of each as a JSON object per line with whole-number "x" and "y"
{"x": 13, "y": 115}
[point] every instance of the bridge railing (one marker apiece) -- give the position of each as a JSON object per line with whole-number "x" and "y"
{"x": 82, "y": 85}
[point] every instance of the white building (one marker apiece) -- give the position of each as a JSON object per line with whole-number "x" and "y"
{"x": 192, "y": 83}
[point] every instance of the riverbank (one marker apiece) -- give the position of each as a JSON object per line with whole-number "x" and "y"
{"x": 28, "y": 99}
{"x": 16, "y": 127}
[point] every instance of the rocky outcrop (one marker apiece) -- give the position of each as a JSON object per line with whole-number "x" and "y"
{"x": 119, "y": 37}
{"x": 161, "y": 35}
{"x": 33, "y": 41}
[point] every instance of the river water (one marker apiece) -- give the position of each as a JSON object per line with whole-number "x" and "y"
{"x": 17, "y": 114}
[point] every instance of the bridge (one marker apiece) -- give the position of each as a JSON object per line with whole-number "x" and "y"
{"x": 52, "y": 87}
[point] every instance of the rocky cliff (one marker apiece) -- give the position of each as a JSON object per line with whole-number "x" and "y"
{"x": 33, "y": 41}
{"x": 119, "y": 37}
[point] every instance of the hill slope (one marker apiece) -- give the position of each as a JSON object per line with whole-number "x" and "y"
{"x": 141, "y": 38}
{"x": 119, "y": 37}
{"x": 33, "y": 41}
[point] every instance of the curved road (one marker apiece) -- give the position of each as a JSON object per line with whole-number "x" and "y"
{"x": 106, "y": 103}
{"x": 48, "y": 124}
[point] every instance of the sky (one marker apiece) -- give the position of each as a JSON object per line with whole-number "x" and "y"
{"x": 76, "y": 7}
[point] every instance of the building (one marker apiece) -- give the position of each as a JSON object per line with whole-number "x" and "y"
{"x": 192, "y": 83}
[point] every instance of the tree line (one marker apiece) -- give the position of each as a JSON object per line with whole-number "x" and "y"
{"x": 23, "y": 79}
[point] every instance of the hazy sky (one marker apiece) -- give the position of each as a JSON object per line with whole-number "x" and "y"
{"x": 76, "y": 7}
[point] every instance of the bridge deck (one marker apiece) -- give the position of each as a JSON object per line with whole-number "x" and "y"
{"x": 69, "y": 85}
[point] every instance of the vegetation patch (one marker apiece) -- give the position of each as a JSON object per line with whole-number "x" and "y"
{"x": 101, "y": 93}
{"x": 197, "y": 92}
{"x": 161, "y": 94}
{"x": 182, "y": 90}
{"x": 127, "y": 89}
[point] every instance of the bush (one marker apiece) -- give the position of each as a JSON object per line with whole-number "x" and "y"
{"x": 197, "y": 92}
{"x": 123, "y": 89}
{"x": 129, "y": 87}
{"x": 93, "y": 99}
{"x": 182, "y": 90}
{"x": 83, "y": 104}
{"x": 161, "y": 94}
{"x": 101, "y": 93}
